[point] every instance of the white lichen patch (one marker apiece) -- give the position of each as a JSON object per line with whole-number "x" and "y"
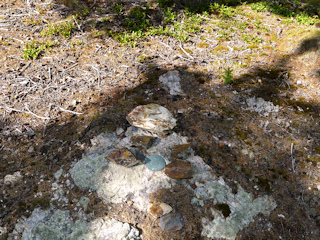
{"x": 261, "y": 106}
{"x": 243, "y": 209}
{"x": 87, "y": 171}
{"x": 118, "y": 184}
{"x": 58, "y": 224}
{"x": 51, "y": 224}
{"x": 103, "y": 228}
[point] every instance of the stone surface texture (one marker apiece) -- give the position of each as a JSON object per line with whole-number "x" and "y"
{"x": 171, "y": 82}
{"x": 123, "y": 157}
{"x": 158, "y": 209}
{"x": 172, "y": 221}
{"x": 179, "y": 169}
{"x": 261, "y": 106}
{"x": 152, "y": 117}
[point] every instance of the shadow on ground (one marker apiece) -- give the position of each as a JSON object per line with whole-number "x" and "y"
{"x": 219, "y": 129}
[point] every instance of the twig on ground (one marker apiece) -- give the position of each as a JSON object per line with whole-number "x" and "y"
{"x": 185, "y": 51}
{"x": 184, "y": 58}
{"x": 166, "y": 45}
{"x": 24, "y": 68}
{"x": 284, "y": 130}
{"x": 69, "y": 111}
{"x": 292, "y": 158}
{"x": 11, "y": 109}
{"x": 28, "y": 111}
{"x": 67, "y": 69}
{"x": 77, "y": 24}
{"x": 98, "y": 75}
{"x": 18, "y": 40}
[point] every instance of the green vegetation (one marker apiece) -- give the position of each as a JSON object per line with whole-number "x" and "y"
{"x": 138, "y": 24}
{"x": 289, "y": 11}
{"x": 63, "y": 29}
{"x": 227, "y": 75}
{"x": 117, "y": 8}
{"x": 224, "y": 10}
{"x": 33, "y": 49}
{"x": 250, "y": 39}
{"x": 177, "y": 19}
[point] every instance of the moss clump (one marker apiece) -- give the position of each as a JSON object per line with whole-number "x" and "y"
{"x": 219, "y": 49}
{"x": 317, "y": 149}
{"x": 268, "y": 48}
{"x": 39, "y": 166}
{"x": 265, "y": 184}
{"x": 189, "y": 51}
{"x": 242, "y": 135}
{"x": 203, "y": 45}
{"x": 253, "y": 46}
{"x": 43, "y": 202}
{"x": 140, "y": 100}
{"x": 22, "y": 206}
{"x": 314, "y": 160}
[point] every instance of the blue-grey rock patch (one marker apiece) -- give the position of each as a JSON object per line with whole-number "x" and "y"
{"x": 155, "y": 162}
{"x": 57, "y": 224}
{"x": 172, "y": 221}
{"x": 171, "y": 82}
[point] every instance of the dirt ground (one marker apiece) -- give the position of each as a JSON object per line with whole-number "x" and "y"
{"x": 52, "y": 106}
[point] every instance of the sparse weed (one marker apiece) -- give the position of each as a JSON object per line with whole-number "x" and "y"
{"x": 78, "y": 42}
{"x": 117, "y": 8}
{"x": 33, "y": 49}
{"x": 63, "y": 29}
{"x": 261, "y": 6}
{"x": 105, "y": 19}
{"x": 223, "y": 10}
{"x": 250, "y": 39}
{"x": 169, "y": 15}
{"x": 137, "y": 20}
{"x": 304, "y": 18}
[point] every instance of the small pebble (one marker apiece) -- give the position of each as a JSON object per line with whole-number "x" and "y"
{"x": 172, "y": 221}
{"x": 31, "y": 149}
{"x": 123, "y": 157}
{"x": 158, "y": 209}
{"x": 12, "y": 179}
{"x": 155, "y": 163}
{"x": 179, "y": 170}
